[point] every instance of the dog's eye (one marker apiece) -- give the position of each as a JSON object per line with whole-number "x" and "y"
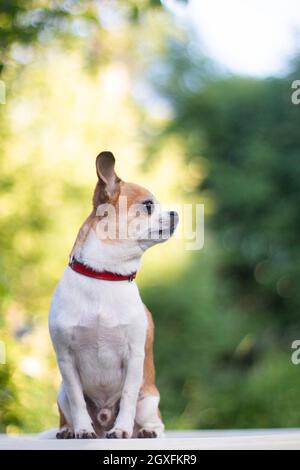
{"x": 149, "y": 206}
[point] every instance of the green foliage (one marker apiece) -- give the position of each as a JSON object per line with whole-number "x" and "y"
{"x": 25, "y": 23}
{"x": 247, "y": 133}
{"x": 226, "y": 316}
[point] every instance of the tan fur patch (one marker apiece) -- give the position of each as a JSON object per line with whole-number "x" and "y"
{"x": 83, "y": 233}
{"x": 62, "y": 419}
{"x": 149, "y": 387}
{"x": 134, "y": 193}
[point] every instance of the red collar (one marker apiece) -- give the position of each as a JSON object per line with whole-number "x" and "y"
{"x": 104, "y": 275}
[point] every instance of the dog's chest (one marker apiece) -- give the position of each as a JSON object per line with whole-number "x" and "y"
{"x": 101, "y": 351}
{"x": 101, "y": 335}
{"x": 95, "y": 320}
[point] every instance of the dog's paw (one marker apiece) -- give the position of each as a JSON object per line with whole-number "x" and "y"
{"x": 146, "y": 433}
{"x": 85, "y": 434}
{"x": 65, "y": 433}
{"x": 116, "y": 433}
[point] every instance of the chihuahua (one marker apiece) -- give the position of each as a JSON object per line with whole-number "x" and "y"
{"x": 101, "y": 331}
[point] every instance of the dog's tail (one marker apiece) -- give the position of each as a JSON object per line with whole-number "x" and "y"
{"x": 50, "y": 434}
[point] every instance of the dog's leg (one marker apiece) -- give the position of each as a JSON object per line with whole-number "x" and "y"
{"x": 80, "y": 419}
{"x": 148, "y": 419}
{"x": 124, "y": 423}
{"x": 65, "y": 429}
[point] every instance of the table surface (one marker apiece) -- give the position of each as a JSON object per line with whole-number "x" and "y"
{"x": 174, "y": 440}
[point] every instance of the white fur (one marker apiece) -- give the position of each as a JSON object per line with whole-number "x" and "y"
{"x": 98, "y": 329}
{"x": 49, "y": 434}
{"x": 122, "y": 258}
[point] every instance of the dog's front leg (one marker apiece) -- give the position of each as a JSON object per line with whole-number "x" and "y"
{"x": 81, "y": 420}
{"x": 124, "y": 423}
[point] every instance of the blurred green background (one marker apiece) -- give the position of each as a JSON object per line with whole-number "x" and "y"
{"x": 84, "y": 76}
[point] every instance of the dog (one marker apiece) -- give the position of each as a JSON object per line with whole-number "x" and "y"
{"x": 101, "y": 331}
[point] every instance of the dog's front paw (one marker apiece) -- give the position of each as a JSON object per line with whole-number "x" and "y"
{"x": 116, "y": 433}
{"x": 65, "y": 433}
{"x": 147, "y": 433}
{"x": 85, "y": 434}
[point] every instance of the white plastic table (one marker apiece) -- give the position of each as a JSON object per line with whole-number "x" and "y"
{"x": 174, "y": 440}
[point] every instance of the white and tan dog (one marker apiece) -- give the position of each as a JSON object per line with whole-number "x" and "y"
{"x": 101, "y": 330}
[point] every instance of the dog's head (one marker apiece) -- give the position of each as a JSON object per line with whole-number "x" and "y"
{"x": 126, "y": 212}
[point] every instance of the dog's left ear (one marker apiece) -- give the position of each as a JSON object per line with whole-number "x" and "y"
{"x": 105, "y": 166}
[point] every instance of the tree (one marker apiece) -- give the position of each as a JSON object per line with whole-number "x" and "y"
{"x": 244, "y": 133}
{"x": 72, "y": 32}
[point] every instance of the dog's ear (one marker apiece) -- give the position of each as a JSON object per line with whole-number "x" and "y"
{"x": 109, "y": 183}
